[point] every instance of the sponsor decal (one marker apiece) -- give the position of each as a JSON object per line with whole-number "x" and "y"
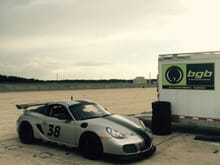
{"x": 174, "y": 74}
{"x": 188, "y": 76}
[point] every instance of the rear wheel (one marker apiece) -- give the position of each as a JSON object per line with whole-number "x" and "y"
{"x": 91, "y": 146}
{"x": 26, "y": 134}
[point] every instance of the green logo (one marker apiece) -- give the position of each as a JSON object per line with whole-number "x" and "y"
{"x": 188, "y": 76}
{"x": 174, "y": 74}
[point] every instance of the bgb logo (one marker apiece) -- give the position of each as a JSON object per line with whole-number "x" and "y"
{"x": 174, "y": 74}
{"x": 197, "y": 76}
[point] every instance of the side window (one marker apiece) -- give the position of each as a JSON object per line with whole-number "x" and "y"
{"x": 60, "y": 112}
{"x": 44, "y": 110}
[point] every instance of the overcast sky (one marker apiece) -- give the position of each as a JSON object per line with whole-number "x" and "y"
{"x": 101, "y": 39}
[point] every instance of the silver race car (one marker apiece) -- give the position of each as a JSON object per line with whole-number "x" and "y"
{"x": 86, "y": 125}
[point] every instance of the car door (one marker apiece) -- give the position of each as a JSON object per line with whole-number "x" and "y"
{"x": 59, "y": 126}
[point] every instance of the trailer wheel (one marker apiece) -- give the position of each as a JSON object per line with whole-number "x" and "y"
{"x": 161, "y": 118}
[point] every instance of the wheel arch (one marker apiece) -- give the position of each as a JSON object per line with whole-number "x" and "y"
{"x": 24, "y": 122}
{"x": 88, "y": 133}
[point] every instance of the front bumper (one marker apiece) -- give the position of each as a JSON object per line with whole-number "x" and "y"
{"x": 133, "y": 158}
{"x": 134, "y": 145}
{"x": 140, "y": 155}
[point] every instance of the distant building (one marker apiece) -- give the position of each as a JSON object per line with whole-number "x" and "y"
{"x": 139, "y": 80}
{"x": 152, "y": 81}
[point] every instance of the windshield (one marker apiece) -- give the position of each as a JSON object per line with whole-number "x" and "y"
{"x": 87, "y": 111}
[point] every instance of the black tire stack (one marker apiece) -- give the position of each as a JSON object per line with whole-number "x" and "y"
{"x": 161, "y": 118}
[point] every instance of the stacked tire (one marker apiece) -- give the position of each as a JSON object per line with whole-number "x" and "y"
{"x": 161, "y": 118}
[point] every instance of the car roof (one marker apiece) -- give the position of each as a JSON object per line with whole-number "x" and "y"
{"x": 73, "y": 102}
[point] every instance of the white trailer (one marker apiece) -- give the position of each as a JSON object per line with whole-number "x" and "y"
{"x": 191, "y": 83}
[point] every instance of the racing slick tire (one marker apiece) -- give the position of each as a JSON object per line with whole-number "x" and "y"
{"x": 25, "y": 133}
{"x": 91, "y": 146}
{"x": 161, "y": 118}
{"x": 161, "y": 109}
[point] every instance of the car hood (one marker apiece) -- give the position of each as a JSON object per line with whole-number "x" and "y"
{"x": 120, "y": 123}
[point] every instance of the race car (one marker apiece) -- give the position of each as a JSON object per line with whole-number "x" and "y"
{"x": 85, "y": 125}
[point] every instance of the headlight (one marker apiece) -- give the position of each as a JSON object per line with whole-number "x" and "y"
{"x": 114, "y": 133}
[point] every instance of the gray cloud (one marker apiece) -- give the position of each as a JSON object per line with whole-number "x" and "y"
{"x": 89, "y": 38}
{"x": 95, "y": 17}
{"x": 5, "y": 4}
{"x": 91, "y": 64}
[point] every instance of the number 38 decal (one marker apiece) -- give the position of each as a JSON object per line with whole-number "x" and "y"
{"x": 54, "y": 130}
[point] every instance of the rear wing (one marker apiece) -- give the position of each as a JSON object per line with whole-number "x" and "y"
{"x": 26, "y": 106}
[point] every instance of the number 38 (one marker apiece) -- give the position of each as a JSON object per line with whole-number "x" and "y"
{"x": 54, "y": 130}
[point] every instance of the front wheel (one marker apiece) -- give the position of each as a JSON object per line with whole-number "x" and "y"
{"x": 91, "y": 146}
{"x": 25, "y": 133}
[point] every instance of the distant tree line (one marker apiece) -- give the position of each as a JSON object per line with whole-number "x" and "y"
{"x": 4, "y": 78}
{"x": 95, "y": 81}
{"x": 15, "y": 79}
